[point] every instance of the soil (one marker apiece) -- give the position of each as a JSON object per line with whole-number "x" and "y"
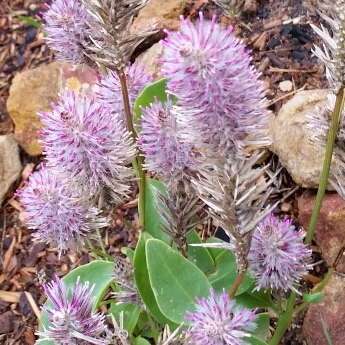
{"x": 281, "y": 40}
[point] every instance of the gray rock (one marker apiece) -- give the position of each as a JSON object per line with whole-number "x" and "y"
{"x": 292, "y": 140}
{"x": 149, "y": 60}
{"x": 10, "y": 165}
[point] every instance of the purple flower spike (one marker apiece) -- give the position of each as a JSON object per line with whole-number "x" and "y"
{"x": 219, "y": 321}
{"x": 67, "y": 29}
{"x": 110, "y": 87}
{"x": 164, "y": 151}
{"x": 220, "y": 99}
{"x": 86, "y": 145}
{"x": 277, "y": 257}
{"x": 72, "y": 322}
{"x": 56, "y": 213}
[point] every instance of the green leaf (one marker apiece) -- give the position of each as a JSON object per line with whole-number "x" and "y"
{"x": 131, "y": 314}
{"x": 140, "y": 341}
{"x": 215, "y": 252}
{"x": 313, "y": 297}
{"x": 142, "y": 280}
{"x": 146, "y": 97}
{"x": 200, "y": 256}
{"x": 263, "y": 322}
{"x": 30, "y": 21}
{"x": 252, "y": 299}
{"x": 226, "y": 274}
{"x": 254, "y": 340}
{"x": 96, "y": 272}
{"x": 325, "y": 331}
{"x": 175, "y": 280}
{"x": 153, "y": 218}
{"x": 129, "y": 252}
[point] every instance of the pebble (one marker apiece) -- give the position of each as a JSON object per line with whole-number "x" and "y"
{"x": 285, "y": 85}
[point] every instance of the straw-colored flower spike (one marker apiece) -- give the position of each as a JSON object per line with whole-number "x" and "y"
{"x": 333, "y": 53}
{"x": 116, "y": 44}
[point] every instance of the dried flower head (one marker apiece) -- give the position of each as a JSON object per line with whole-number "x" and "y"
{"x": 174, "y": 338}
{"x": 277, "y": 257}
{"x": 333, "y": 51}
{"x": 111, "y": 92}
{"x": 237, "y": 194}
{"x": 218, "y": 320}
{"x": 124, "y": 276}
{"x": 57, "y": 213}
{"x": 67, "y": 29}
{"x": 231, "y": 8}
{"x": 116, "y": 44}
{"x": 220, "y": 99}
{"x": 165, "y": 153}
{"x": 72, "y": 318}
{"x": 319, "y": 123}
{"x": 87, "y": 147}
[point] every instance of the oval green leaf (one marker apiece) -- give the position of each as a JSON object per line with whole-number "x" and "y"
{"x": 263, "y": 322}
{"x": 152, "y": 217}
{"x": 199, "y": 256}
{"x": 131, "y": 314}
{"x": 175, "y": 280}
{"x": 98, "y": 273}
{"x": 226, "y": 274}
{"x": 313, "y": 297}
{"x": 142, "y": 281}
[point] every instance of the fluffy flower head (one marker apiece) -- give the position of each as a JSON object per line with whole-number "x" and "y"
{"x": 55, "y": 212}
{"x": 277, "y": 257}
{"x": 220, "y": 99}
{"x": 219, "y": 321}
{"x": 164, "y": 151}
{"x": 85, "y": 143}
{"x": 66, "y": 26}
{"x": 72, "y": 320}
{"x": 110, "y": 87}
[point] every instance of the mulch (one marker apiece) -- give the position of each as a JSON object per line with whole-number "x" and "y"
{"x": 281, "y": 41}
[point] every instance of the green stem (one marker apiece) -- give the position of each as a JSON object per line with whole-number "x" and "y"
{"x": 319, "y": 289}
{"x": 138, "y": 161}
{"x": 92, "y": 248}
{"x": 284, "y": 320}
{"x": 101, "y": 241}
{"x": 326, "y": 164}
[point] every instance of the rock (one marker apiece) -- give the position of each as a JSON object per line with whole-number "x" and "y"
{"x": 291, "y": 139}
{"x": 285, "y": 85}
{"x": 330, "y": 228}
{"x": 6, "y": 322}
{"x": 332, "y": 311}
{"x": 165, "y": 16}
{"x": 34, "y": 90}
{"x": 10, "y": 165}
{"x": 149, "y": 60}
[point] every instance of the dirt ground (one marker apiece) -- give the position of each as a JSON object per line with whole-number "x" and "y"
{"x": 281, "y": 40}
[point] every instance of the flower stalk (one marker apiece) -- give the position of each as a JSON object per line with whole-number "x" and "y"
{"x": 137, "y": 161}
{"x": 339, "y": 105}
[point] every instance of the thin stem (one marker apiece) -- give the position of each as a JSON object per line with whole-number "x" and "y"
{"x": 92, "y": 248}
{"x": 101, "y": 241}
{"x": 284, "y": 320}
{"x": 326, "y": 164}
{"x": 236, "y": 285}
{"x": 139, "y": 160}
{"x": 319, "y": 289}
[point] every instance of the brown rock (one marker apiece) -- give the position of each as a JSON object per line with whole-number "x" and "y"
{"x": 6, "y": 322}
{"x": 10, "y": 165}
{"x": 332, "y": 311}
{"x": 169, "y": 9}
{"x": 330, "y": 228}
{"x": 34, "y": 90}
